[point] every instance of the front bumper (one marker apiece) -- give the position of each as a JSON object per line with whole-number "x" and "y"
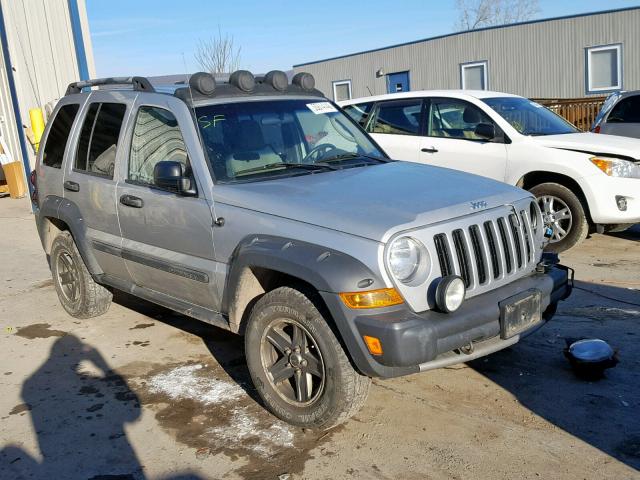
{"x": 418, "y": 342}
{"x": 601, "y": 192}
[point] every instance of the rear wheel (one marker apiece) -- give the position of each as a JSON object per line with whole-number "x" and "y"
{"x": 297, "y": 364}
{"x": 78, "y": 293}
{"x": 561, "y": 210}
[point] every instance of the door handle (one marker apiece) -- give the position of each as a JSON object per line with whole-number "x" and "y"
{"x": 71, "y": 186}
{"x": 131, "y": 201}
{"x": 430, "y": 150}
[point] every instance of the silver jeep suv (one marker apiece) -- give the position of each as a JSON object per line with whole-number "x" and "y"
{"x": 258, "y": 206}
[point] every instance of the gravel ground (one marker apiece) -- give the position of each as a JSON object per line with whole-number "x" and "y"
{"x": 142, "y": 392}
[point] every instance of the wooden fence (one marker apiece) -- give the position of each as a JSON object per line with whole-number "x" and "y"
{"x": 579, "y": 111}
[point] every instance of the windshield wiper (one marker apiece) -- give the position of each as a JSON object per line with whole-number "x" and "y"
{"x": 287, "y": 165}
{"x": 347, "y": 156}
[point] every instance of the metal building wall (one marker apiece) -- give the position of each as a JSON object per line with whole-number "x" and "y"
{"x": 537, "y": 59}
{"x": 43, "y": 56}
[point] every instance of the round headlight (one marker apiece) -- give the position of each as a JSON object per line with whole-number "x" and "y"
{"x": 450, "y": 293}
{"x": 404, "y": 258}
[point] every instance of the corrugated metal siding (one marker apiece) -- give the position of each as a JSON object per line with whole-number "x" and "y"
{"x": 43, "y": 56}
{"x": 542, "y": 59}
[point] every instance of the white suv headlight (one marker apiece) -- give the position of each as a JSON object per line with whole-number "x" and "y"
{"x": 616, "y": 167}
{"x": 404, "y": 258}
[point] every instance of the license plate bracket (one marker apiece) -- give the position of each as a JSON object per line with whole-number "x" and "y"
{"x": 520, "y": 312}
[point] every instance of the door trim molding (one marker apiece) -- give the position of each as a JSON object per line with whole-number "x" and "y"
{"x": 165, "y": 266}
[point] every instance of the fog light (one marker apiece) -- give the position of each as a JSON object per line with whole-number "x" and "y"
{"x": 450, "y": 293}
{"x": 622, "y": 203}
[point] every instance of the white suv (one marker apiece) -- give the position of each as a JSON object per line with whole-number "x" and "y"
{"x": 583, "y": 181}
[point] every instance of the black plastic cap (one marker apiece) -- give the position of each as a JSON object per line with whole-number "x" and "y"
{"x": 277, "y": 79}
{"x": 203, "y": 82}
{"x": 243, "y": 80}
{"x": 304, "y": 80}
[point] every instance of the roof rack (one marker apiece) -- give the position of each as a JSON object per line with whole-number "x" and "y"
{"x": 140, "y": 84}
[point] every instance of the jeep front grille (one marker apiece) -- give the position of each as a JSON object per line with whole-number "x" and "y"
{"x": 495, "y": 249}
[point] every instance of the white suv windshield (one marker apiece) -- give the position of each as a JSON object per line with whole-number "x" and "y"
{"x": 252, "y": 140}
{"x": 529, "y": 118}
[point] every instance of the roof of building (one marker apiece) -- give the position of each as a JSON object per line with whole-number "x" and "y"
{"x": 437, "y": 37}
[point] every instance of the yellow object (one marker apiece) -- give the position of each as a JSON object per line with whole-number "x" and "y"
{"x": 37, "y": 125}
{"x": 603, "y": 164}
{"x": 15, "y": 179}
{"x": 385, "y": 297}
{"x": 373, "y": 344}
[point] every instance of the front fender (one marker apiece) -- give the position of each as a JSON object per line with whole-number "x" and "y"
{"x": 326, "y": 269}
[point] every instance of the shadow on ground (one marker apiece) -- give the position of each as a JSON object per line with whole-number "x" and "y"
{"x": 632, "y": 233}
{"x": 602, "y": 413}
{"x": 78, "y": 407}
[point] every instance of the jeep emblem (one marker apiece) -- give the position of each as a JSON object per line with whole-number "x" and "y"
{"x": 478, "y": 205}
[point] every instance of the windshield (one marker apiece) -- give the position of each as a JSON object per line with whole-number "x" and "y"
{"x": 254, "y": 140}
{"x": 529, "y": 118}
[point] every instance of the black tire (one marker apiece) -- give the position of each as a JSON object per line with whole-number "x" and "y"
{"x": 78, "y": 293}
{"x": 577, "y": 226}
{"x": 324, "y": 402}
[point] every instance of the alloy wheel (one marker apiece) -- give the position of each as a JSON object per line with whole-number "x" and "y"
{"x": 68, "y": 277}
{"x": 557, "y": 215}
{"x": 292, "y": 362}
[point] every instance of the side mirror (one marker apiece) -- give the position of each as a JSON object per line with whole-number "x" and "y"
{"x": 169, "y": 175}
{"x": 486, "y": 131}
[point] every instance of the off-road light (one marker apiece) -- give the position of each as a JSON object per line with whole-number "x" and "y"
{"x": 450, "y": 293}
{"x": 385, "y": 297}
{"x": 622, "y": 203}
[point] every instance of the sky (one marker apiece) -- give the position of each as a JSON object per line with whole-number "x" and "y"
{"x": 160, "y": 37}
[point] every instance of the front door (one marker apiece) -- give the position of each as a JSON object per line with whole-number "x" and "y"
{"x": 451, "y": 142}
{"x": 167, "y": 237}
{"x": 396, "y": 125}
{"x": 398, "y": 82}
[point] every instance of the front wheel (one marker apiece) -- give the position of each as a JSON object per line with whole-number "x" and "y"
{"x": 561, "y": 210}
{"x": 297, "y": 364}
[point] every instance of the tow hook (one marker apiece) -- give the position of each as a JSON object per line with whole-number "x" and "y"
{"x": 467, "y": 349}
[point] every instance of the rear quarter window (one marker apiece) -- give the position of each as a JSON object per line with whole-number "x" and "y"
{"x": 56, "y": 142}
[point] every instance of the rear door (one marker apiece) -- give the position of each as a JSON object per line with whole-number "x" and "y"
{"x": 167, "y": 237}
{"x": 450, "y": 141}
{"x": 624, "y": 118}
{"x": 397, "y": 126}
{"x": 89, "y": 179}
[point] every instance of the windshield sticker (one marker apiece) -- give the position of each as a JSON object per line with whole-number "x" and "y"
{"x": 537, "y": 105}
{"x": 321, "y": 107}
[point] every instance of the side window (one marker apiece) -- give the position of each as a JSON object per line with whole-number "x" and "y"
{"x": 452, "y": 118}
{"x": 360, "y": 112}
{"x": 626, "y": 111}
{"x": 156, "y": 137}
{"x": 399, "y": 117}
{"x": 59, "y": 135}
{"x": 98, "y": 141}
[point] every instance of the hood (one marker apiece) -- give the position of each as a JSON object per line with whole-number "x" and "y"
{"x": 593, "y": 143}
{"x": 374, "y": 201}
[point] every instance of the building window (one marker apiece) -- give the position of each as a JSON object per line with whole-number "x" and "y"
{"x": 342, "y": 90}
{"x": 473, "y": 76}
{"x": 604, "y": 68}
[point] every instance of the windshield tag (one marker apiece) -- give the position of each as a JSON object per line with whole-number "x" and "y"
{"x": 321, "y": 107}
